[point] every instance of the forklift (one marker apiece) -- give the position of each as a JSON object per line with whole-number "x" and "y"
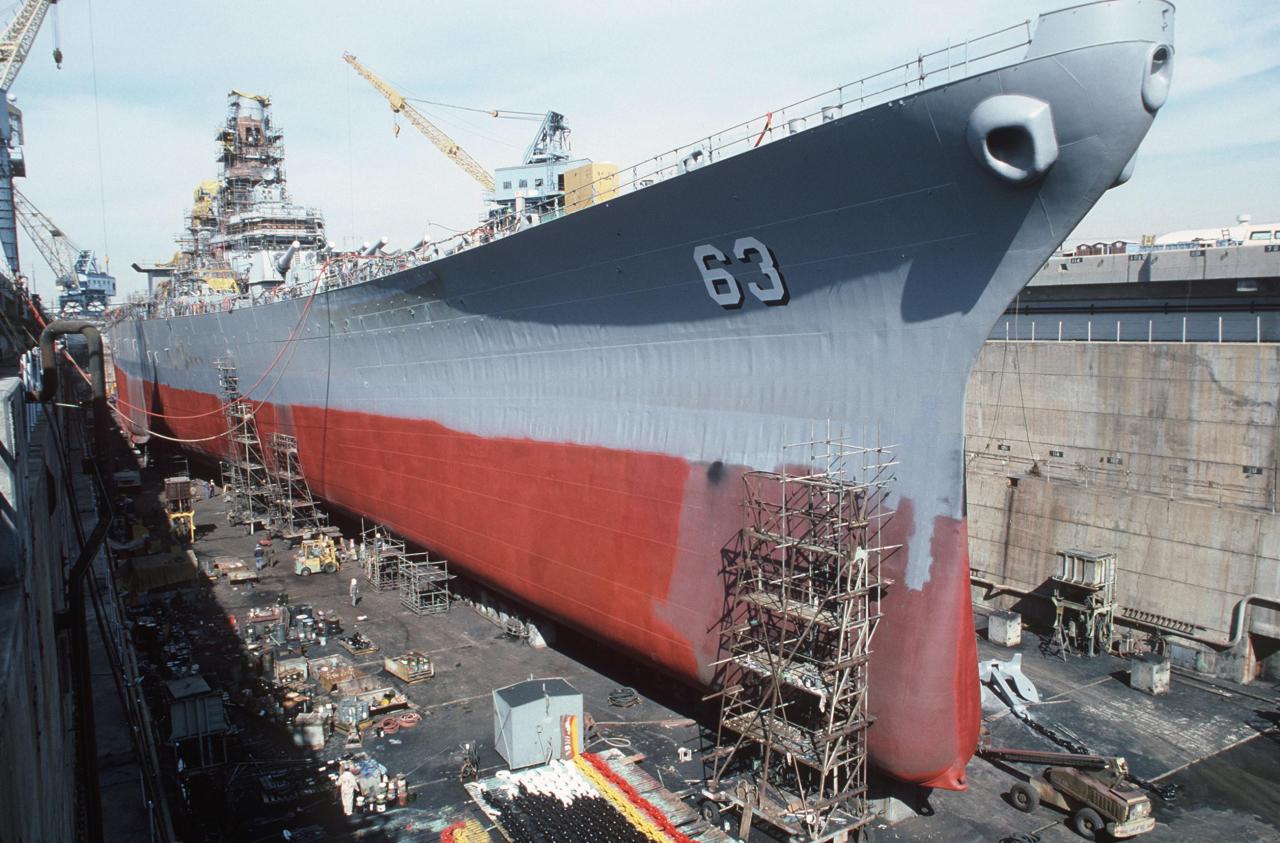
{"x": 180, "y": 509}
{"x": 1094, "y": 790}
{"x": 316, "y": 556}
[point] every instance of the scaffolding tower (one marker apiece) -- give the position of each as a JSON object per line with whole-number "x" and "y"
{"x": 424, "y": 584}
{"x": 802, "y": 607}
{"x": 380, "y": 556}
{"x": 244, "y": 471}
{"x": 297, "y": 515}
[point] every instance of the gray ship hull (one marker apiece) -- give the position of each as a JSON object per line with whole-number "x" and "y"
{"x": 565, "y": 413}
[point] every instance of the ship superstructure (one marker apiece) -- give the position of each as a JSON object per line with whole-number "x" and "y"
{"x": 241, "y": 223}
{"x": 565, "y": 404}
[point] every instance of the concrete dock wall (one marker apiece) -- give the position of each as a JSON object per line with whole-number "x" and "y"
{"x": 37, "y": 749}
{"x": 1165, "y": 454}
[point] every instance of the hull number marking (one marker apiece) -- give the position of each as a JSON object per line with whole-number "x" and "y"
{"x": 725, "y": 289}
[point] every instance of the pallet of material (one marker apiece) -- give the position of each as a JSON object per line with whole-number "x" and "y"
{"x": 330, "y": 678}
{"x": 346, "y": 727}
{"x": 410, "y": 667}
{"x": 392, "y": 704}
{"x": 264, "y": 614}
{"x": 291, "y": 671}
{"x": 241, "y": 574}
{"x": 331, "y": 671}
{"x": 382, "y": 700}
{"x": 487, "y": 795}
{"x": 222, "y": 564}
{"x": 358, "y": 651}
{"x": 361, "y": 686}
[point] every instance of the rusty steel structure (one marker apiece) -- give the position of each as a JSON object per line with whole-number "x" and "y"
{"x": 244, "y": 470}
{"x": 380, "y": 555}
{"x": 295, "y": 510}
{"x": 802, "y": 608}
{"x": 423, "y": 584}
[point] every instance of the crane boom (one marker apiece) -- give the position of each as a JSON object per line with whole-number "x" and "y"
{"x": 57, "y": 251}
{"x": 442, "y": 141}
{"x": 18, "y": 37}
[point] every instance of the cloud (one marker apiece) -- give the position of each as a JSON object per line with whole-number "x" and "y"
{"x": 1214, "y": 150}
{"x": 1217, "y": 51}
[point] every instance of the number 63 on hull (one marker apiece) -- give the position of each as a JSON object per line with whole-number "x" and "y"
{"x": 725, "y": 289}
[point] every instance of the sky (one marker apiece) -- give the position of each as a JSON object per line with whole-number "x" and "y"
{"x": 119, "y": 137}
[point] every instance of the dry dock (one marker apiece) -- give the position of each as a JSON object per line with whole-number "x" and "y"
{"x": 265, "y": 785}
{"x": 1217, "y": 742}
{"x": 1164, "y": 454}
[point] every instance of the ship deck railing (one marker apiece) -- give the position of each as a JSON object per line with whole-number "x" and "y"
{"x": 957, "y": 60}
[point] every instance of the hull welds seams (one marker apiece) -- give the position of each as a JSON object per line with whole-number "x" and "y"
{"x": 566, "y": 412}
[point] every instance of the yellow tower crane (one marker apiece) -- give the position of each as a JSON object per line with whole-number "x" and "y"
{"x": 443, "y": 142}
{"x": 18, "y": 36}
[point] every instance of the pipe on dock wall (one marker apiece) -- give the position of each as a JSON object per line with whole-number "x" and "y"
{"x": 1239, "y": 614}
{"x": 49, "y": 357}
{"x": 1242, "y": 611}
{"x": 995, "y": 587}
{"x": 75, "y": 619}
{"x": 97, "y": 373}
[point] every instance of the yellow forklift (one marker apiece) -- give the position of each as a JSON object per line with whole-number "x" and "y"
{"x": 180, "y": 507}
{"x": 316, "y": 555}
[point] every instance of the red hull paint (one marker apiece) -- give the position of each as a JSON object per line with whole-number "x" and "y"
{"x": 949, "y": 657}
{"x": 622, "y": 545}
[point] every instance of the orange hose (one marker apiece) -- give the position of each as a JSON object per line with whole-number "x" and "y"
{"x": 768, "y": 121}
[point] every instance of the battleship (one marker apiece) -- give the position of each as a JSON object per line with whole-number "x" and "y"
{"x": 564, "y": 400}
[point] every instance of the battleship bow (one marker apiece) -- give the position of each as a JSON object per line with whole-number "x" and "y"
{"x": 566, "y": 411}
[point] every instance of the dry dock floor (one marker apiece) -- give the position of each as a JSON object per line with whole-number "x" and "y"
{"x": 1220, "y": 745}
{"x": 472, "y": 656}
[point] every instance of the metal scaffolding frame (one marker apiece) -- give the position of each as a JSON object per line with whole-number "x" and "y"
{"x": 295, "y": 510}
{"x": 244, "y": 471}
{"x": 802, "y": 608}
{"x": 424, "y": 584}
{"x": 380, "y": 557}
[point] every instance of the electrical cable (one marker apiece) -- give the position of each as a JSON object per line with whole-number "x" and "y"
{"x": 1017, "y": 368}
{"x": 40, "y": 320}
{"x": 97, "y": 124}
{"x": 995, "y": 424}
{"x": 228, "y": 431}
{"x": 351, "y": 177}
{"x": 507, "y": 113}
{"x": 447, "y": 228}
{"x": 315, "y": 287}
{"x": 458, "y": 123}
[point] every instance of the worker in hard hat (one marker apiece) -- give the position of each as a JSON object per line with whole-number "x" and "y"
{"x": 347, "y": 790}
{"x": 355, "y": 592}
